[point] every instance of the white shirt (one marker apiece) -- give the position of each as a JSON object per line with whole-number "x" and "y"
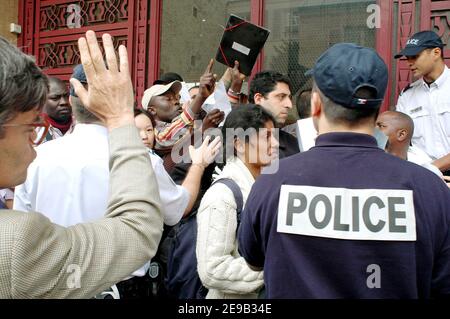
{"x": 54, "y": 133}
{"x": 174, "y": 198}
{"x": 6, "y": 194}
{"x": 429, "y": 107}
{"x": 419, "y": 157}
{"x": 69, "y": 181}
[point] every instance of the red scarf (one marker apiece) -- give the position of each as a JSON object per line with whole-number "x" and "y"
{"x": 62, "y": 127}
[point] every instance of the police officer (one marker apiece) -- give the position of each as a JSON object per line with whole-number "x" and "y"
{"x": 345, "y": 219}
{"x": 427, "y": 100}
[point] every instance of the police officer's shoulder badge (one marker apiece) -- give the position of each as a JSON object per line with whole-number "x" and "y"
{"x": 409, "y": 86}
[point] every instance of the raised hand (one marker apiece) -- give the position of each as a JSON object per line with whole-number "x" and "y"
{"x": 110, "y": 92}
{"x": 207, "y": 81}
{"x": 206, "y": 153}
{"x": 236, "y": 76}
{"x": 212, "y": 119}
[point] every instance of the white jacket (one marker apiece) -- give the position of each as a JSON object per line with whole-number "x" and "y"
{"x": 220, "y": 267}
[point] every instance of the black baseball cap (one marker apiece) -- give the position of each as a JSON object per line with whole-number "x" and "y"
{"x": 168, "y": 77}
{"x": 420, "y": 41}
{"x": 78, "y": 73}
{"x": 344, "y": 69}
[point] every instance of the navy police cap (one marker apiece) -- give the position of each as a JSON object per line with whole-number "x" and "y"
{"x": 344, "y": 69}
{"x": 78, "y": 73}
{"x": 419, "y": 42}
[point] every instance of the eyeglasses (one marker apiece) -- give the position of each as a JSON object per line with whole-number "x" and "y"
{"x": 40, "y": 131}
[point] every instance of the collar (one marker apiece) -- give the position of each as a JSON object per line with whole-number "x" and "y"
{"x": 443, "y": 78}
{"x": 62, "y": 127}
{"x": 348, "y": 139}
{"x": 90, "y": 129}
{"x": 440, "y": 80}
{"x": 236, "y": 169}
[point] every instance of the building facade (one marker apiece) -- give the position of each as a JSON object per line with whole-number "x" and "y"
{"x": 182, "y": 35}
{"x": 10, "y": 14}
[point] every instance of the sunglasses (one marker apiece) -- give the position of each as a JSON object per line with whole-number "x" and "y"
{"x": 41, "y": 126}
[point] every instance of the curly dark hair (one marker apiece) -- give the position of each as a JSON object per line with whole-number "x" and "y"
{"x": 265, "y": 82}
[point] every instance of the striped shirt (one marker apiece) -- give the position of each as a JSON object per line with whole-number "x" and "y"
{"x": 167, "y": 134}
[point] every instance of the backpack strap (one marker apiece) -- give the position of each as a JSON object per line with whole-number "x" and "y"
{"x": 231, "y": 184}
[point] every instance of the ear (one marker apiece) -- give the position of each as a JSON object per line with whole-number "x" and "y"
{"x": 152, "y": 111}
{"x": 258, "y": 98}
{"x": 402, "y": 134}
{"x": 437, "y": 53}
{"x": 316, "y": 104}
{"x": 239, "y": 146}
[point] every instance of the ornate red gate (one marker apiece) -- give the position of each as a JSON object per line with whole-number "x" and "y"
{"x": 52, "y": 27}
{"x": 435, "y": 15}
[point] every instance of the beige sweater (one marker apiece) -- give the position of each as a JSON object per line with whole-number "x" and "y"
{"x": 221, "y": 269}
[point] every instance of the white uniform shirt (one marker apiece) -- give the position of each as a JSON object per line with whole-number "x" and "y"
{"x": 429, "y": 107}
{"x": 69, "y": 181}
{"x": 5, "y": 195}
{"x": 419, "y": 157}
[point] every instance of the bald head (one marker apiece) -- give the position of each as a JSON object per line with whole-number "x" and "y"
{"x": 397, "y": 121}
{"x": 399, "y": 129}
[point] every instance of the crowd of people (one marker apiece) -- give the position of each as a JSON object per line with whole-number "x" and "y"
{"x": 202, "y": 191}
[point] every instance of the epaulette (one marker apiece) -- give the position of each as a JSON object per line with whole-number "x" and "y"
{"x": 409, "y": 86}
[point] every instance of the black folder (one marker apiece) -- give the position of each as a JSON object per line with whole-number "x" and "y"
{"x": 241, "y": 41}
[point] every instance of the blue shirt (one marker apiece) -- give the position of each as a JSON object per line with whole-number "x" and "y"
{"x": 319, "y": 257}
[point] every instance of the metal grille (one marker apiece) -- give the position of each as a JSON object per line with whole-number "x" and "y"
{"x": 191, "y": 33}
{"x": 302, "y": 30}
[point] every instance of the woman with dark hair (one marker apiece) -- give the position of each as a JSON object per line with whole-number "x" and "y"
{"x": 249, "y": 145}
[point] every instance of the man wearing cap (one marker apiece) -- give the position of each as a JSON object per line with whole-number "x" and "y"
{"x": 174, "y": 122}
{"x": 427, "y": 100}
{"x": 168, "y": 78}
{"x": 345, "y": 219}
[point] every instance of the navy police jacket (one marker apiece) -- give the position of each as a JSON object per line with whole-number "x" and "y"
{"x": 347, "y": 220}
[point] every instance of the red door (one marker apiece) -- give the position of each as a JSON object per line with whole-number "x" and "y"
{"x": 52, "y": 27}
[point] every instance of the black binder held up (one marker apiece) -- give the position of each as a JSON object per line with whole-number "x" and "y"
{"x": 241, "y": 41}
